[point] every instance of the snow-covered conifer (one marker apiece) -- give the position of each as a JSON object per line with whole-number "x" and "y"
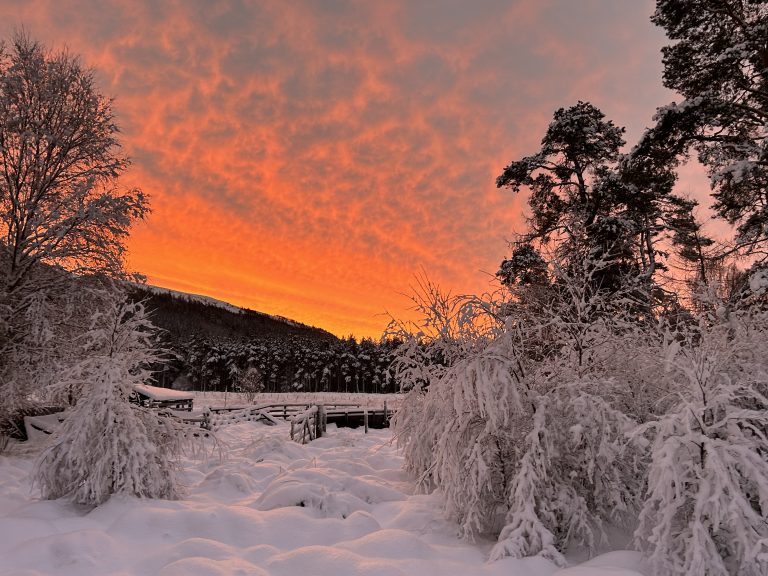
{"x": 251, "y": 383}
{"x": 576, "y": 474}
{"x": 717, "y": 61}
{"x": 108, "y": 445}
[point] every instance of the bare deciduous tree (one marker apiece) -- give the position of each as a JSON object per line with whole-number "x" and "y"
{"x": 59, "y": 164}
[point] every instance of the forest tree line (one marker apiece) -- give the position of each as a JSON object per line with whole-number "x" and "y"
{"x": 279, "y": 364}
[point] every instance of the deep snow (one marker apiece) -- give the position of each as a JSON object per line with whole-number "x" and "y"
{"x": 339, "y": 506}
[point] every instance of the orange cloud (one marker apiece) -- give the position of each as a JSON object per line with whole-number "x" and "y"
{"x": 308, "y": 158}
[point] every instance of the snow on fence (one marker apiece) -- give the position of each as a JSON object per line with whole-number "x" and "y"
{"x": 41, "y": 426}
{"x": 156, "y": 397}
{"x": 309, "y": 425}
{"x": 214, "y": 419}
{"x": 217, "y": 399}
{"x": 308, "y": 421}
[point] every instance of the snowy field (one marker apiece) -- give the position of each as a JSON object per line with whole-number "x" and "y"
{"x": 267, "y": 506}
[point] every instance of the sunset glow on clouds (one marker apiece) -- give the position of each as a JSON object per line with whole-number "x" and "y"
{"x": 308, "y": 158}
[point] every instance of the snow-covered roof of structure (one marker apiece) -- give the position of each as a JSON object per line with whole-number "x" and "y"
{"x": 160, "y": 394}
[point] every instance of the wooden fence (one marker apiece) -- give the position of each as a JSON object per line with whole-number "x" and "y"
{"x": 309, "y": 425}
{"x": 308, "y": 421}
{"x": 213, "y": 419}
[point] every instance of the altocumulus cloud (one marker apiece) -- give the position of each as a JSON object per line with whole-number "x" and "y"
{"x": 307, "y": 158}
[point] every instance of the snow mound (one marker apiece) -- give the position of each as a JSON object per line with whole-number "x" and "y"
{"x": 389, "y": 543}
{"x": 208, "y": 567}
{"x": 326, "y": 561}
{"x": 618, "y": 563}
{"x": 75, "y": 553}
{"x": 329, "y": 491}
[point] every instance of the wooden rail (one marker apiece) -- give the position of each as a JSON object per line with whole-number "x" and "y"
{"x": 286, "y": 411}
{"x": 308, "y": 421}
{"x": 309, "y": 425}
{"x": 213, "y": 419}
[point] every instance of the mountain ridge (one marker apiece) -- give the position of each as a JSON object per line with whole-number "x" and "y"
{"x": 184, "y": 315}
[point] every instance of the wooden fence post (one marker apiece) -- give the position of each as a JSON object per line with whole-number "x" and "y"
{"x": 325, "y": 421}
{"x": 319, "y": 421}
{"x": 365, "y": 419}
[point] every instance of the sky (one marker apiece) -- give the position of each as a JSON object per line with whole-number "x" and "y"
{"x": 310, "y": 158}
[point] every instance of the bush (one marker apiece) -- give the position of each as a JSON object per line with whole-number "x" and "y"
{"x": 546, "y": 449}
{"x": 108, "y": 445}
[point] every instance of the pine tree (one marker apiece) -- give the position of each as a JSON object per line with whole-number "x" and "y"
{"x": 566, "y": 200}
{"x": 583, "y": 205}
{"x": 719, "y": 64}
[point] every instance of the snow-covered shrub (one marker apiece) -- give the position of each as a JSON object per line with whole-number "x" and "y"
{"x": 449, "y": 330}
{"x": 418, "y": 368}
{"x": 707, "y": 497}
{"x": 251, "y": 383}
{"x": 576, "y": 472}
{"x": 468, "y": 421}
{"x": 37, "y": 331}
{"x": 586, "y": 366}
{"x": 108, "y": 445}
{"x": 542, "y": 463}
{"x": 525, "y": 430}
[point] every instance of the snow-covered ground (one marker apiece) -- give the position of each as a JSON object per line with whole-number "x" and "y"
{"x": 268, "y": 506}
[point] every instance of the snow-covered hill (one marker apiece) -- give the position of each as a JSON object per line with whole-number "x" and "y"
{"x": 187, "y": 297}
{"x": 182, "y": 314}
